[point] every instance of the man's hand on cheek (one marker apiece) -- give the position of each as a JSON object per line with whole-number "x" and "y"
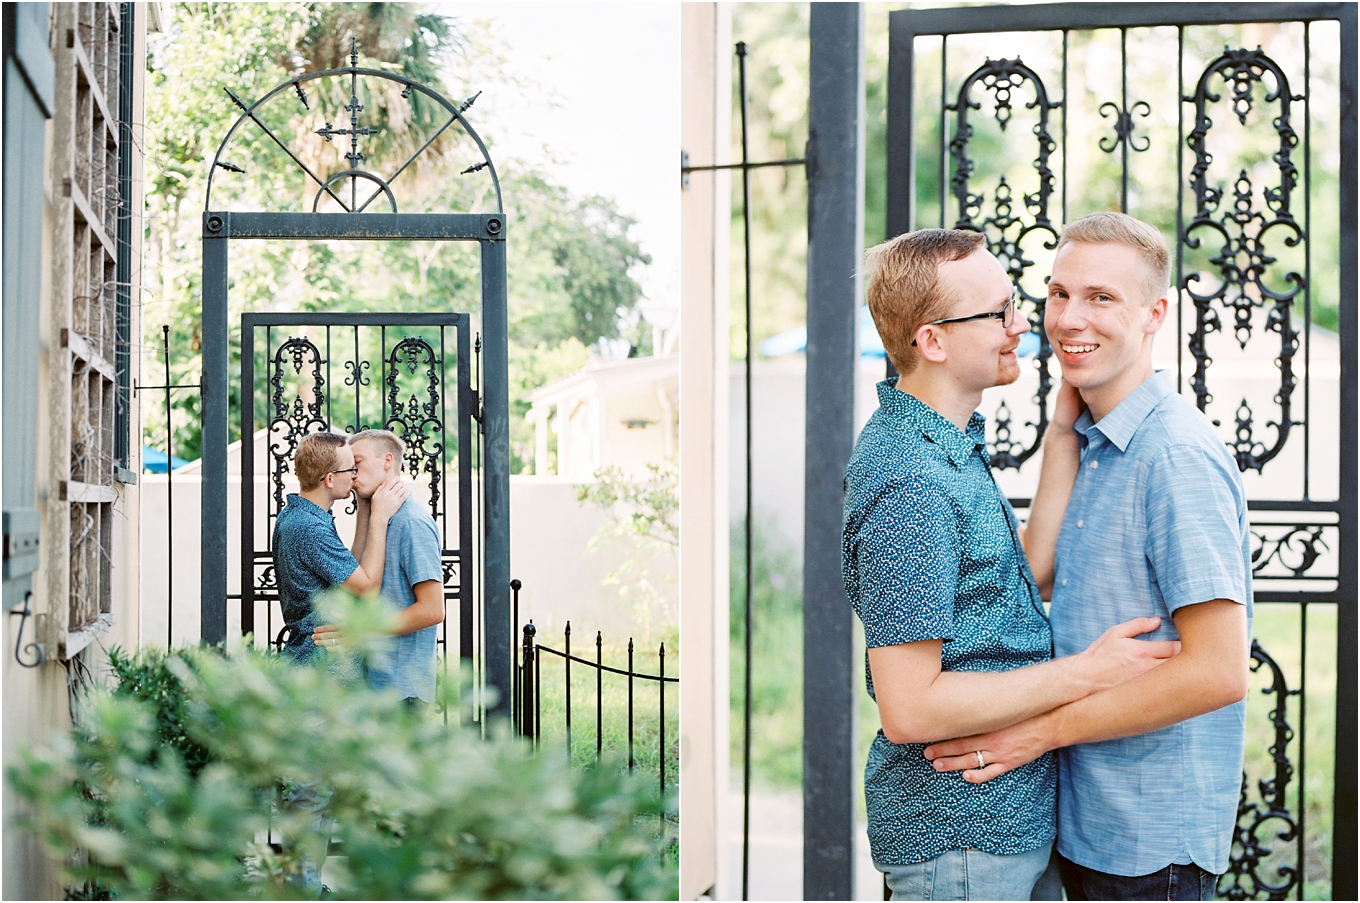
{"x": 1002, "y": 751}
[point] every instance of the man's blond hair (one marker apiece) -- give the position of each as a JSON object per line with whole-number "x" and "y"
{"x": 1111, "y": 227}
{"x": 388, "y": 441}
{"x": 315, "y": 458}
{"x": 904, "y": 292}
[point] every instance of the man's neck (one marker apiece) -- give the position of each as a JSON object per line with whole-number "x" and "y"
{"x": 320, "y": 496}
{"x": 1104, "y": 399}
{"x": 947, "y": 398}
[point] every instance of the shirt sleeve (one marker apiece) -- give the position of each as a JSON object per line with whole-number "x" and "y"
{"x": 327, "y": 556}
{"x": 907, "y": 553}
{"x": 420, "y": 560}
{"x": 1195, "y": 533}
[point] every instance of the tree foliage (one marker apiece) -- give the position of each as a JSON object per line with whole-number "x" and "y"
{"x": 572, "y": 261}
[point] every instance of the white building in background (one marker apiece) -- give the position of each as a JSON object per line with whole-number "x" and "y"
{"x": 623, "y": 413}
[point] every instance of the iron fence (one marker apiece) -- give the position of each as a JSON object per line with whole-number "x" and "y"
{"x": 527, "y": 707}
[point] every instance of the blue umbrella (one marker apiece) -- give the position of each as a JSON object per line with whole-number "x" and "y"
{"x": 153, "y": 460}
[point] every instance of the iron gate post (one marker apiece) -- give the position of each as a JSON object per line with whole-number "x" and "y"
{"x": 835, "y": 240}
{"x": 213, "y": 574}
{"x": 1345, "y": 883}
{"x": 497, "y": 625}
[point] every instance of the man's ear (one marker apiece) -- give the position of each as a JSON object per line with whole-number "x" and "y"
{"x": 928, "y": 344}
{"x": 1157, "y": 315}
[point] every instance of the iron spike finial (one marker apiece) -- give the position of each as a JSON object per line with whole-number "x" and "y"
{"x": 302, "y": 95}
{"x": 467, "y": 104}
{"x": 354, "y": 51}
{"x": 476, "y": 167}
{"x": 230, "y": 167}
{"x": 236, "y": 100}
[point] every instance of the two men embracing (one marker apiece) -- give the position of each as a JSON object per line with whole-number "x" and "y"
{"x": 1115, "y": 721}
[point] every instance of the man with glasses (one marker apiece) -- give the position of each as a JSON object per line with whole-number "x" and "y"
{"x": 309, "y": 557}
{"x": 935, "y": 567}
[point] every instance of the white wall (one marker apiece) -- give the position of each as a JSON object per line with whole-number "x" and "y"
{"x": 549, "y": 534}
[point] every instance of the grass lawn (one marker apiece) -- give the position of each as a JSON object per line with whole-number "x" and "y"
{"x": 777, "y": 712}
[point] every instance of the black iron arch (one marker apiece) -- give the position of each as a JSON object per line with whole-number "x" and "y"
{"x": 355, "y": 132}
{"x": 490, "y": 401}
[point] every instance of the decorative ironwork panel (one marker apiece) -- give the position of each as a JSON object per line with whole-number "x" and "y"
{"x": 1242, "y": 232}
{"x": 1251, "y": 862}
{"x": 1007, "y": 229}
{"x": 291, "y": 416}
{"x": 417, "y": 421}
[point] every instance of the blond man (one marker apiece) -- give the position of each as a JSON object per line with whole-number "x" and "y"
{"x": 1149, "y": 771}
{"x": 934, "y": 565}
{"x": 309, "y": 557}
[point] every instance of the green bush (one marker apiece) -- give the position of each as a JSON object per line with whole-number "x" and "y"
{"x": 170, "y": 784}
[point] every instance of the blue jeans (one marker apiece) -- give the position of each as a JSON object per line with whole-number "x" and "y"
{"x": 1175, "y": 882}
{"x": 975, "y": 875}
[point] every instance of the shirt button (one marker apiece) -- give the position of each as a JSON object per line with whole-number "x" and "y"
{"x": 1080, "y": 524}
{"x": 1095, "y": 464}
{"x": 1064, "y": 583}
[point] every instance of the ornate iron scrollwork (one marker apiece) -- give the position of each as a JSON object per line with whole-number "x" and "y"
{"x": 1242, "y": 258}
{"x": 1124, "y": 125}
{"x": 267, "y": 581}
{"x": 1243, "y": 880}
{"x": 291, "y": 419}
{"x": 1006, "y": 232}
{"x": 1296, "y": 549}
{"x": 418, "y": 423}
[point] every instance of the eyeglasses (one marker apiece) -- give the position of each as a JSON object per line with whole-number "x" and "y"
{"x": 1006, "y": 315}
{"x": 353, "y": 470}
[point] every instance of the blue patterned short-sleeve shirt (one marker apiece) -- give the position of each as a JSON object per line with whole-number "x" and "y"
{"x": 309, "y": 558}
{"x": 931, "y": 553}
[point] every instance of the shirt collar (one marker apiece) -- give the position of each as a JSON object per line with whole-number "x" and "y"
{"x": 1119, "y": 425}
{"x": 306, "y": 504}
{"x": 956, "y": 445}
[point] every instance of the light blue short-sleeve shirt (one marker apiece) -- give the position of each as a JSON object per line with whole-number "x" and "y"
{"x": 406, "y": 663}
{"x": 1157, "y": 521}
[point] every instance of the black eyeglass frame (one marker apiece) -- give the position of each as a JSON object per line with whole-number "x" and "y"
{"x": 1006, "y": 315}
{"x": 353, "y": 470}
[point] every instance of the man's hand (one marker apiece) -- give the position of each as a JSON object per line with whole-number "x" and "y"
{"x": 1067, "y": 407}
{"x": 388, "y": 498}
{"x": 1116, "y": 656}
{"x": 328, "y": 636}
{"x": 1002, "y": 751}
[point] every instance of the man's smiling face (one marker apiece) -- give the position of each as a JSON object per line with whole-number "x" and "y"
{"x": 1099, "y": 318}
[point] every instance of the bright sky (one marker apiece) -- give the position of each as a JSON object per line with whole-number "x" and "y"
{"x": 608, "y": 122}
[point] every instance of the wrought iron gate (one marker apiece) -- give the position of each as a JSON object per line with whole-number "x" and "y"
{"x": 1060, "y": 123}
{"x": 395, "y": 372}
{"x": 278, "y": 132}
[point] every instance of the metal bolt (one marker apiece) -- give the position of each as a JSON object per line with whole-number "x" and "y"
{"x": 215, "y": 224}
{"x": 493, "y": 226}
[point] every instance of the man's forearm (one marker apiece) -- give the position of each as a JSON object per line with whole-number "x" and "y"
{"x": 373, "y": 553}
{"x": 1058, "y": 473}
{"x": 426, "y": 611}
{"x": 1182, "y": 688}
{"x": 361, "y": 518}
{"x": 960, "y": 703}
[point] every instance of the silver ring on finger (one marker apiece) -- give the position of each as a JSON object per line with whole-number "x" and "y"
{"x": 981, "y": 763}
